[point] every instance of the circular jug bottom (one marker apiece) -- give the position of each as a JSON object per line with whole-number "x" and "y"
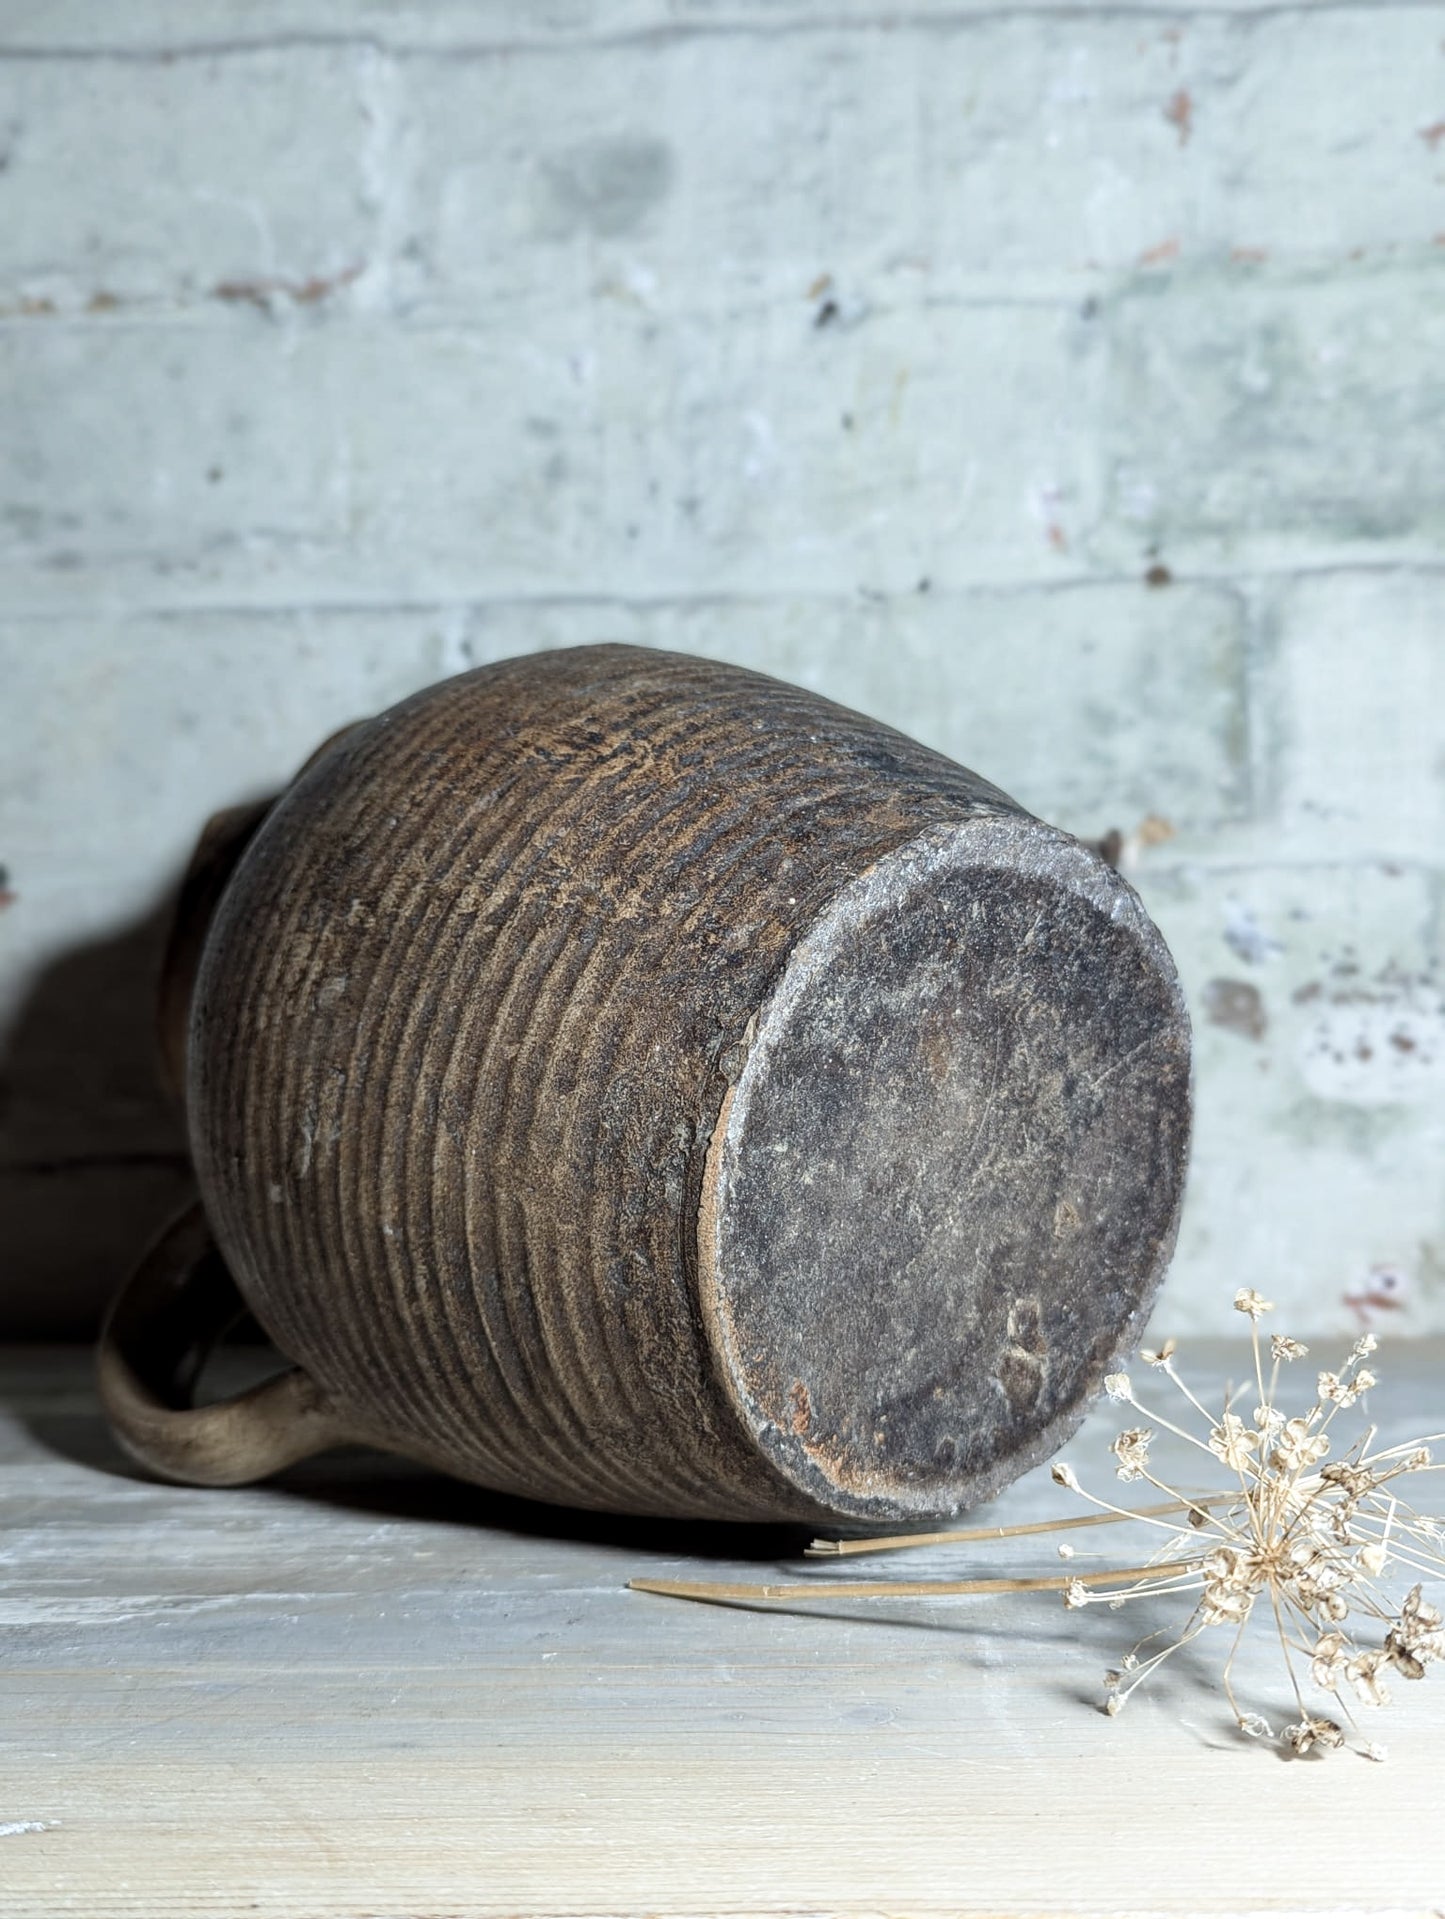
{"x": 941, "y": 1192}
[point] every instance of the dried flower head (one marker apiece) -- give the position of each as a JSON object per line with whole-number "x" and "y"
{"x": 1308, "y": 1535}
{"x": 1233, "y": 1442}
{"x": 1310, "y": 1539}
{"x": 1247, "y": 1300}
{"x": 1131, "y": 1449}
{"x": 1313, "y": 1732}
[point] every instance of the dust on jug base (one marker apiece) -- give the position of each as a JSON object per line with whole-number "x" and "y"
{"x": 942, "y": 1190}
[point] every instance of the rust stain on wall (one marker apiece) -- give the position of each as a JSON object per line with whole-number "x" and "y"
{"x": 1180, "y": 113}
{"x": 261, "y": 292}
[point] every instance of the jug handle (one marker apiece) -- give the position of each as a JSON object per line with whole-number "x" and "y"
{"x": 160, "y": 1329}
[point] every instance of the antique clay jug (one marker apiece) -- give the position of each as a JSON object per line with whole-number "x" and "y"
{"x": 631, "y": 1082}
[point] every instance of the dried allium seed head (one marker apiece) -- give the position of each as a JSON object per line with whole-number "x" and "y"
{"x": 1309, "y": 1538}
{"x": 1313, "y": 1732}
{"x": 1233, "y": 1442}
{"x": 1341, "y": 1392}
{"x": 1353, "y": 1481}
{"x": 1363, "y": 1672}
{"x": 1281, "y": 1346}
{"x": 1416, "y": 1637}
{"x": 1131, "y": 1449}
{"x": 1328, "y": 1661}
{"x": 1231, "y": 1579}
{"x": 1406, "y": 1663}
{"x": 1422, "y": 1616}
{"x": 1163, "y": 1356}
{"x": 1296, "y": 1448}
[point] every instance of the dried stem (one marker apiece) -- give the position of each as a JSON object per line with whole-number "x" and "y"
{"x": 880, "y": 1588}
{"x": 979, "y": 1535}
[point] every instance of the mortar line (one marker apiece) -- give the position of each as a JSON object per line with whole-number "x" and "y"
{"x": 1232, "y": 585}
{"x": 918, "y": 21}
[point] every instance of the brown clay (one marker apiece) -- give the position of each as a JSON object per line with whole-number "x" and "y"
{"x": 628, "y": 1081}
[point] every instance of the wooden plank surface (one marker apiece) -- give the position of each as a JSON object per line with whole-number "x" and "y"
{"x": 363, "y": 1691}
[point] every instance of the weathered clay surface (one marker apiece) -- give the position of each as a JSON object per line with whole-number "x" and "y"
{"x": 944, "y": 1177}
{"x": 465, "y": 1024}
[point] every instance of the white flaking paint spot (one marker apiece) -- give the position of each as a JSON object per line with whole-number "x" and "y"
{"x": 1244, "y": 935}
{"x": 1382, "y": 1049}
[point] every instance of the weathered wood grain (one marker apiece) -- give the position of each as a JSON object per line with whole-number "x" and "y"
{"x": 366, "y": 1692}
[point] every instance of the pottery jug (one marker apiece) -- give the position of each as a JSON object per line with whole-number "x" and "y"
{"x": 628, "y": 1081}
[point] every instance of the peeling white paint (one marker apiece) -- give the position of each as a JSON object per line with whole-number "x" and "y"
{"x": 1244, "y": 935}
{"x": 1377, "y": 1051}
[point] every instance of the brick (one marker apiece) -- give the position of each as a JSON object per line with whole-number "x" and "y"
{"x": 1095, "y": 707}
{"x": 179, "y": 716}
{"x": 519, "y": 150}
{"x": 1356, "y": 713}
{"x": 1069, "y": 700}
{"x": 148, "y": 465}
{"x": 962, "y": 158}
{"x": 1270, "y": 425}
{"x": 1321, "y": 147}
{"x": 1318, "y": 1145}
{"x": 274, "y": 463}
{"x": 166, "y": 185}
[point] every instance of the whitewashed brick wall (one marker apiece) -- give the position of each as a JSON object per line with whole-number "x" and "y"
{"x": 1063, "y": 384}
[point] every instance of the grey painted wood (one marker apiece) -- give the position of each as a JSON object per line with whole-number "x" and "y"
{"x": 362, "y": 1691}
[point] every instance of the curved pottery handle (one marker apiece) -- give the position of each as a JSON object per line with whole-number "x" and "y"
{"x": 156, "y": 1338}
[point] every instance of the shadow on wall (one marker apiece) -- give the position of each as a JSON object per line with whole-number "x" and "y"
{"x": 92, "y": 1150}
